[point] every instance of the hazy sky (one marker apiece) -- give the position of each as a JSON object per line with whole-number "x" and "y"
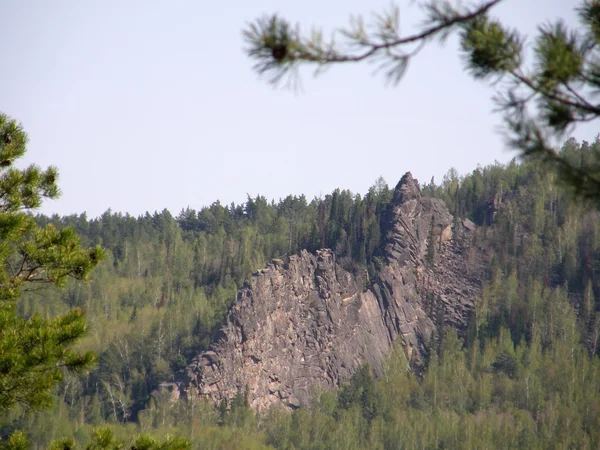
{"x": 144, "y": 105}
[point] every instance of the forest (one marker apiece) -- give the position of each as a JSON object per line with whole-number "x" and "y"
{"x": 525, "y": 374}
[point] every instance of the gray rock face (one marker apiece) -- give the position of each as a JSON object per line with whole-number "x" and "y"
{"x": 306, "y": 325}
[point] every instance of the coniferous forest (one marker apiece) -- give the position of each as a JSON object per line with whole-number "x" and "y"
{"x": 524, "y": 374}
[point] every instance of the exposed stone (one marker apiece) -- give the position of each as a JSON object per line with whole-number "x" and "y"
{"x": 306, "y": 325}
{"x": 468, "y": 225}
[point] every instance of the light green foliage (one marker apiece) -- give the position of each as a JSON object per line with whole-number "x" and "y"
{"x": 104, "y": 439}
{"x": 62, "y": 444}
{"x": 146, "y": 442}
{"x": 17, "y": 441}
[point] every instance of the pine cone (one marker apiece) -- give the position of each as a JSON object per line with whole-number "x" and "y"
{"x": 279, "y": 52}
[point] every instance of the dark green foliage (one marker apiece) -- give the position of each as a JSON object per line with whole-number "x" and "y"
{"x": 430, "y": 255}
{"x": 488, "y": 48}
{"x": 360, "y": 392}
{"x": 33, "y": 354}
{"x": 34, "y": 351}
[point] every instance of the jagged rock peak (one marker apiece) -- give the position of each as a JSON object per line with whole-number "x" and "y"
{"x": 295, "y": 329}
{"x": 304, "y": 326}
{"x": 407, "y": 189}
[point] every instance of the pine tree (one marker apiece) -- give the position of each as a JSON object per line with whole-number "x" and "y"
{"x": 34, "y": 350}
{"x": 562, "y": 80}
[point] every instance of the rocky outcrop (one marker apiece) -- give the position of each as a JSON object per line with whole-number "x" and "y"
{"x": 307, "y": 324}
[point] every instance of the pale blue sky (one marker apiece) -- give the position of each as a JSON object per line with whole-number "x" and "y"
{"x": 144, "y": 105}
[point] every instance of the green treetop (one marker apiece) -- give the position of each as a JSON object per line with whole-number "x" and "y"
{"x": 540, "y": 102}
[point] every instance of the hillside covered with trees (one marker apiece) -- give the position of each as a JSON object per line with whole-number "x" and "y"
{"x": 525, "y": 374}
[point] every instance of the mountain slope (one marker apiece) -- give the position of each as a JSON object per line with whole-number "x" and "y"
{"x": 308, "y": 324}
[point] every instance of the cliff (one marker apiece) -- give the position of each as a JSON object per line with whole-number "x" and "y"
{"x": 305, "y": 325}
